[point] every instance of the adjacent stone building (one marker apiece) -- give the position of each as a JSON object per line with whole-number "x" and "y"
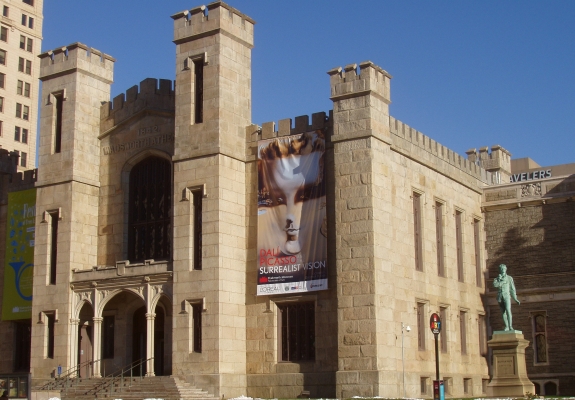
{"x": 146, "y": 233}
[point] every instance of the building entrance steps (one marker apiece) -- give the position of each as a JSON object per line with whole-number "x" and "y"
{"x": 162, "y": 387}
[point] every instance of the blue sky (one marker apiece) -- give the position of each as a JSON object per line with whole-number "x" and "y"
{"x": 467, "y": 74}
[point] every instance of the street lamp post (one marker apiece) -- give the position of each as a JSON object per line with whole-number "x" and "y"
{"x": 408, "y": 329}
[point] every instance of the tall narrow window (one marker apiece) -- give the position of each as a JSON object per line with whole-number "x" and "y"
{"x": 23, "y": 159}
{"x": 54, "y": 217}
{"x": 17, "y": 133}
{"x": 459, "y": 244}
{"x": 4, "y": 31}
{"x": 443, "y": 313}
{"x": 439, "y": 238}
{"x": 58, "y": 123}
{"x": 421, "y": 326}
{"x": 29, "y": 44}
{"x": 1, "y": 104}
{"x": 26, "y": 113}
{"x": 199, "y": 90}
{"x": 477, "y": 255}
{"x": 20, "y": 87}
{"x": 5, "y": 11}
{"x": 3, "y": 57}
{"x": 30, "y": 22}
{"x": 26, "y": 89}
{"x": 18, "y": 110}
{"x": 150, "y": 210}
{"x": 23, "y": 42}
{"x": 297, "y": 331}
{"x": 197, "y": 199}
{"x": 463, "y": 331}
{"x": 417, "y": 231}
{"x": 539, "y": 338}
{"x": 24, "y": 135}
{"x": 482, "y": 327}
{"x": 28, "y": 67}
{"x": 50, "y": 319}
{"x": 197, "y": 327}
{"x": 24, "y": 19}
{"x": 2, "y": 79}
{"x": 108, "y": 336}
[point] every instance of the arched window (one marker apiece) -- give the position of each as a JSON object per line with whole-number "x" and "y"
{"x": 540, "y": 338}
{"x": 150, "y": 205}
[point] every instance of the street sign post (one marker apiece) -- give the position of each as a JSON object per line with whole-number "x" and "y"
{"x": 435, "y": 326}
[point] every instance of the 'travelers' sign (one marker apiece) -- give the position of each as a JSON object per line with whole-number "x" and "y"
{"x": 530, "y": 176}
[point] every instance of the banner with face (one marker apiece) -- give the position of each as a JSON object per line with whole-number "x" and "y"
{"x": 292, "y": 227}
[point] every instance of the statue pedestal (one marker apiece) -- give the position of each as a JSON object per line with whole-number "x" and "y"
{"x": 509, "y": 370}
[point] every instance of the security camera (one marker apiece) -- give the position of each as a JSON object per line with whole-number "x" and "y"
{"x": 407, "y": 328}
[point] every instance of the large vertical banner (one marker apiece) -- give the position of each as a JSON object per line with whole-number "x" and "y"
{"x": 19, "y": 262}
{"x": 292, "y": 227}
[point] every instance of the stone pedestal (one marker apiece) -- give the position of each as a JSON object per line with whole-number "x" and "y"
{"x": 509, "y": 370}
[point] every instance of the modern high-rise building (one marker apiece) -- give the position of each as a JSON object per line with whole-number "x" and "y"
{"x": 20, "y": 44}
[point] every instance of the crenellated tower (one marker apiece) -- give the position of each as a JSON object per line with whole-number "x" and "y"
{"x": 213, "y": 109}
{"x": 76, "y": 80}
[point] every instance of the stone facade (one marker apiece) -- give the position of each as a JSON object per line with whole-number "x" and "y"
{"x": 406, "y": 231}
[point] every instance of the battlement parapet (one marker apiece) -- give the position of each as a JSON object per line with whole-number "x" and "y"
{"x": 409, "y": 140}
{"x": 498, "y": 160}
{"x": 150, "y": 96}
{"x": 76, "y": 57}
{"x": 208, "y": 20}
{"x": 347, "y": 83}
{"x": 8, "y": 162}
{"x": 254, "y": 133}
{"x": 19, "y": 180}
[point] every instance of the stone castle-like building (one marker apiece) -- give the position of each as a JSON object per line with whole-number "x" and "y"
{"x": 146, "y": 235}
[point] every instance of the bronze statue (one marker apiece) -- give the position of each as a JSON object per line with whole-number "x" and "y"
{"x": 506, "y": 292}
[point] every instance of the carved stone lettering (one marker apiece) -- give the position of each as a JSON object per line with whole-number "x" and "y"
{"x": 140, "y": 143}
{"x": 505, "y": 366}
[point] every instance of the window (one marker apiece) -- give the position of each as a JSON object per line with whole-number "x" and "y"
{"x": 477, "y": 255}
{"x": 423, "y": 385}
{"x": 50, "y": 336}
{"x": 24, "y": 19}
{"x": 421, "y": 326}
{"x": 1, "y": 104}
{"x": 467, "y": 385}
{"x": 58, "y": 123}
{"x": 2, "y": 79}
{"x": 29, "y": 45}
{"x": 198, "y": 90}
{"x": 29, "y": 2}
{"x": 53, "y": 243}
{"x": 197, "y": 199}
{"x": 463, "y": 331}
{"x": 447, "y": 385}
{"x": 24, "y": 65}
{"x": 30, "y": 22}
{"x": 3, "y": 57}
{"x": 5, "y": 11}
{"x": 108, "y": 336}
{"x": 482, "y": 327}
{"x": 23, "y": 42}
{"x": 22, "y": 111}
{"x": 17, "y": 134}
{"x": 539, "y": 321}
{"x": 23, "y": 88}
{"x": 459, "y": 243}
{"x": 23, "y": 159}
{"x": 149, "y": 210}
{"x": 417, "y": 231}
{"x": 4, "y": 31}
{"x": 24, "y": 135}
{"x": 439, "y": 238}
{"x": 297, "y": 331}
{"x": 197, "y": 327}
{"x": 1, "y": 126}
{"x": 443, "y": 313}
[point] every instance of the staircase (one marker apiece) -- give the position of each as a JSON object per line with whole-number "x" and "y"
{"x": 157, "y": 387}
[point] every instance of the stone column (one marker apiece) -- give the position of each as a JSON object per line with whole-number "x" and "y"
{"x": 150, "y": 318}
{"x": 97, "y": 345}
{"x": 74, "y": 324}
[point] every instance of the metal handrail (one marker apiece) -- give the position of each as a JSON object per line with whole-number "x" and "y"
{"x": 109, "y": 381}
{"x": 70, "y": 373}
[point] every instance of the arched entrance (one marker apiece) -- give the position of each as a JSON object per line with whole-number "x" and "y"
{"x": 85, "y": 340}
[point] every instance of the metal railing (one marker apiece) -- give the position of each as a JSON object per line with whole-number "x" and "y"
{"x": 69, "y": 376}
{"x": 116, "y": 379}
